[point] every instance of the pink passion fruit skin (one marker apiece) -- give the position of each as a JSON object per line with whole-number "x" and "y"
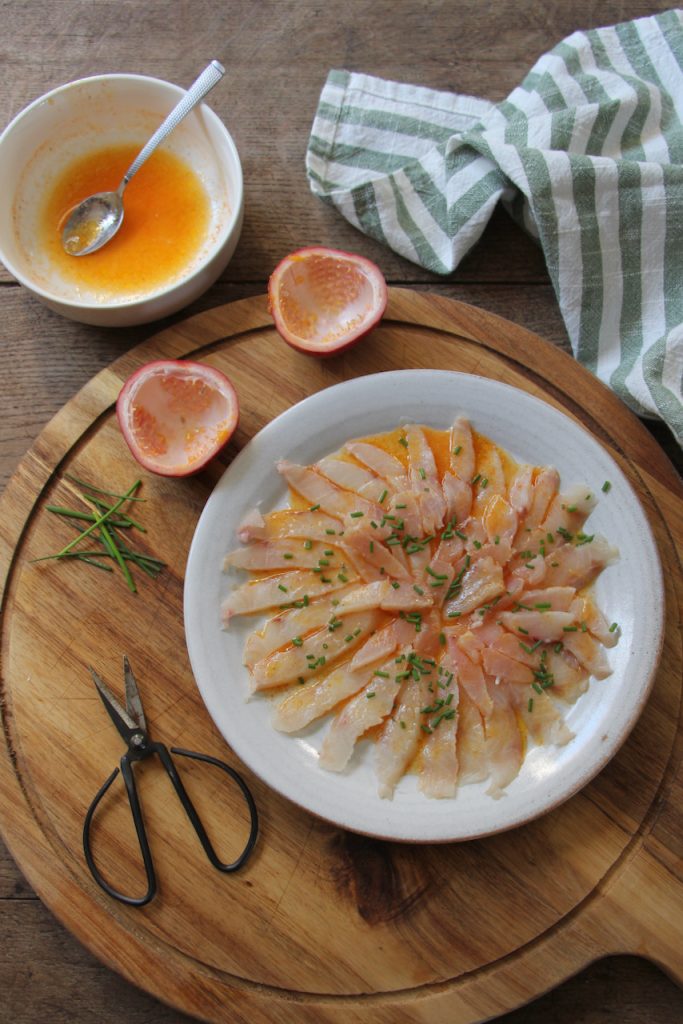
{"x": 176, "y": 416}
{"x": 325, "y": 300}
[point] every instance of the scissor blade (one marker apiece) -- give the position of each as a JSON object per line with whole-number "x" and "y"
{"x": 121, "y": 719}
{"x": 133, "y": 701}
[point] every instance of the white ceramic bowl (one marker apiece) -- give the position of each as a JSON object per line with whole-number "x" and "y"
{"x": 93, "y": 113}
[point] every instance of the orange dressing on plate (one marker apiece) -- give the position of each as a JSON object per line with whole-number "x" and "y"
{"x": 166, "y": 221}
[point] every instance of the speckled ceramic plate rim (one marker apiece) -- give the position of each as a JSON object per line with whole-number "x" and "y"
{"x": 531, "y": 430}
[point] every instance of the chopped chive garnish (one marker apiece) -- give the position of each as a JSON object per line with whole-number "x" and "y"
{"x": 418, "y": 590}
{"x": 403, "y": 441}
{"x": 330, "y": 533}
{"x": 442, "y": 639}
{"x": 606, "y": 486}
{"x": 395, "y": 584}
{"x": 372, "y": 546}
{"x": 314, "y": 508}
{"x": 542, "y": 605}
{"x": 477, "y": 544}
{"x": 357, "y": 515}
{"x": 383, "y": 496}
{"x": 402, "y": 723}
{"x": 297, "y": 641}
{"x": 371, "y": 695}
{"x": 287, "y": 554}
{"x": 461, "y": 535}
{"x": 457, "y": 449}
{"x": 521, "y": 629}
{"x": 484, "y": 482}
{"x": 382, "y": 675}
{"x": 308, "y": 544}
{"x": 422, "y": 473}
{"x": 342, "y": 577}
{"x": 476, "y": 479}
{"x": 613, "y": 627}
{"x": 573, "y": 508}
{"x": 530, "y": 705}
{"x": 281, "y": 587}
{"x": 570, "y": 629}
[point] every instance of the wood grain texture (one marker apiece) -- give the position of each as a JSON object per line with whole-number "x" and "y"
{"x": 278, "y": 53}
{"x": 372, "y": 930}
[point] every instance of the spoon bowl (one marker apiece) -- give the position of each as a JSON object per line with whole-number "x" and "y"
{"x": 92, "y": 223}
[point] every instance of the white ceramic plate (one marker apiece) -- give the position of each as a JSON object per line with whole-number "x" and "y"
{"x": 629, "y": 593}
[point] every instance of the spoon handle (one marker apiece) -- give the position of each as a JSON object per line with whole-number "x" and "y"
{"x": 194, "y": 95}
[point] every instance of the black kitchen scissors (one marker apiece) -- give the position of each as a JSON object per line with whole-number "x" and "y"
{"x": 131, "y": 724}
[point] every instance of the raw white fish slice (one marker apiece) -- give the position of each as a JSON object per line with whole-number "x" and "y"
{"x": 399, "y": 739}
{"x": 438, "y": 776}
{"x": 491, "y": 482}
{"x": 369, "y": 548}
{"x": 275, "y": 591}
{"x": 458, "y": 496}
{"x": 569, "y": 510}
{"x": 470, "y": 678}
{"x": 545, "y": 486}
{"x": 520, "y": 490}
{"x": 538, "y": 625}
{"x": 424, "y": 481}
{"x": 380, "y": 462}
{"x": 588, "y": 652}
{"x": 504, "y": 747}
{"x": 461, "y": 447}
{"x": 284, "y": 554}
{"x": 279, "y": 630}
{"x": 300, "y": 523}
{"x": 471, "y": 741}
{"x": 312, "y": 653}
{"x": 481, "y": 583}
{"x": 576, "y": 566}
{"x": 383, "y": 643}
{"x": 352, "y": 477}
{"x": 368, "y": 708}
{"x": 333, "y": 500}
{"x": 383, "y": 594}
{"x": 307, "y": 703}
{"x": 252, "y": 527}
{"x": 541, "y": 718}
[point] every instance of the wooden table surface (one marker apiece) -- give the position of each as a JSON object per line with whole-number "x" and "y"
{"x": 277, "y": 54}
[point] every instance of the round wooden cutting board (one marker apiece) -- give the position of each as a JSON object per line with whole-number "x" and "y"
{"x": 322, "y": 925}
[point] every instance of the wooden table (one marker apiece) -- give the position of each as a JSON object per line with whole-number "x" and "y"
{"x": 277, "y": 53}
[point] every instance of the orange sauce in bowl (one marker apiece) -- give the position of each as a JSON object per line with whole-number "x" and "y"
{"x": 166, "y": 222}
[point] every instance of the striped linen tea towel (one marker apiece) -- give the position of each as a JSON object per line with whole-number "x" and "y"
{"x": 587, "y": 154}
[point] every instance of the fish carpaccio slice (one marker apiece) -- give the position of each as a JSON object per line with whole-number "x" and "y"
{"x": 429, "y": 593}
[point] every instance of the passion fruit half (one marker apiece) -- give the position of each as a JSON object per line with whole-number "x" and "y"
{"x": 324, "y": 300}
{"x": 176, "y": 416}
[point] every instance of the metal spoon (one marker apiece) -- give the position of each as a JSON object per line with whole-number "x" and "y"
{"x": 96, "y": 220}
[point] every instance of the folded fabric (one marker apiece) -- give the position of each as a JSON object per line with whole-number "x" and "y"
{"x": 587, "y": 154}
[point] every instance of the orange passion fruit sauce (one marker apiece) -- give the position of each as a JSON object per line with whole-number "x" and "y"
{"x": 166, "y": 221}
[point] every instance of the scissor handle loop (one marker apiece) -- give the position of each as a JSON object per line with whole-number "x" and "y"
{"x": 188, "y": 806}
{"x": 192, "y": 813}
{"x": 131, "y": 789}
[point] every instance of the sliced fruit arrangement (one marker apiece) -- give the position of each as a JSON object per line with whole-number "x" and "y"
{"x": 324, "y": 300}
{"x": 176, "y": 416}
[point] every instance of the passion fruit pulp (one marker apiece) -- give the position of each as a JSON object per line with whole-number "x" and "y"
{"x": 325, "y": 300}
{"x": 176, "y": 416}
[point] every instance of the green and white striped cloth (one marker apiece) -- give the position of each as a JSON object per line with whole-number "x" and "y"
{"x": 587, "y": 154}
